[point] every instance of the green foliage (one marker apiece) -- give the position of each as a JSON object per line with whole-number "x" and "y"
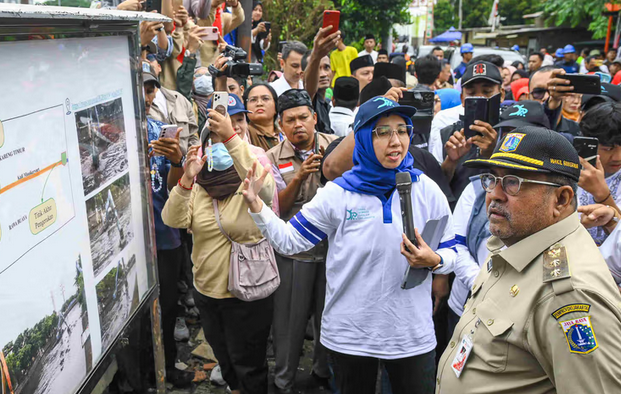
{"x": 476, "y": 13}
{"x": 361, "y": 17}
{"x": 577, "y": 12}
{"x": 105, "y": 288}
{"x": 70, "y": 3}
{"x": 445, "y": 16}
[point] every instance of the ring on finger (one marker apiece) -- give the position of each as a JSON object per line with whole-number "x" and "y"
{"x": 554, "y": 88}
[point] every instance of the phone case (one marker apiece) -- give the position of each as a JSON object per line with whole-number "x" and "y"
{"x": 331, "y": 18}
{"x": 210, "y": 34}
{"x": 587, "y": 148}
{"x": 476, "y": 108}
{"x": 585, "y": 84}
{"x": 169, "y": 131}
{"x": 221, "y": 102}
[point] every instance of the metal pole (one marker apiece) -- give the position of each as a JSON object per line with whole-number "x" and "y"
{"x": 460, "y": 14}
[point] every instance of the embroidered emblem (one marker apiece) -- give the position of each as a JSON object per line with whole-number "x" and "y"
{"x": 480, "y": 69}
{"x": 386, "y": 102}
{"x": 511, "y": 142}
{"x": 562, "y": 311}
{"x": 521, "y": 111}
{"x": 580, "y": 335}
{"x": 232, "y": 101}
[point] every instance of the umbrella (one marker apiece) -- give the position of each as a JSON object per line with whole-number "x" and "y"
{"x": 448, "y": 36}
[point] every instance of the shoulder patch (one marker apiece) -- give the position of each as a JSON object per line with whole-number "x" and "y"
{"x": 555, "y": 264}
{"x": 562, "y": 311}
{"x": 580, "y": 335}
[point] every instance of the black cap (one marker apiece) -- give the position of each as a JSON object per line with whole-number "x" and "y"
{"x": 293, "y": 98}
{"x": 149, "y": 77}
{"x": 481, "y": 70}
{"x": 610, "y": 93}
{"x": 347, "y": 90}
{"x": 390, "y": 71}
{"x": 369, "y": 37}
{"x": 382, "y": 52}
{"x": 377, "y": 87}
{"x": 359, "y": 62}
{"x": 524, "y": 113}
{"x": 536, "y": 149}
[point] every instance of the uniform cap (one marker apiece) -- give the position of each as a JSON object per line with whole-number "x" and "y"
{"x": 559, "y": 52}
{"x": 466, "y": 48}
{"x": 569, "y": 49}
{"x": 536, "y": 149}
{"x": 481, "y": 70}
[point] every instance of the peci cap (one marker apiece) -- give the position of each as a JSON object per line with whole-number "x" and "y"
{"x": 347, "y": 90}
{"x": 293, "y": 98}
{"x": 536, "y": 149}
{"x": 481, "y": 70}
{"x": 390, "y": 71}
{"x": 377, "y": 106}
{"x": 466, "y": 48}
{"x": 382, "y": 52}
{"x": 569, "y": 49}
{"x": 524, "y": 113}
{"x": 369, "y": 37}
{"x": 377, "y": 87}
{"x": 360, "y": 62}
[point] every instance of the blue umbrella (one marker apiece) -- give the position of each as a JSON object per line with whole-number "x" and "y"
{"x": 448, "y": 36}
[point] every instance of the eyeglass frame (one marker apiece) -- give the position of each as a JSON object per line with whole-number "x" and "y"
{"x": 393, "y": 131}
{"x": 520, "y": 180}
{"x": 543, "y": 90}
{"x": 256, "y": 99}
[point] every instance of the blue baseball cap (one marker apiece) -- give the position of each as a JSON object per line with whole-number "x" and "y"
{"x": 466, "y": 48}
{"x": 569, "y": 49}
{"x": 515, "y": 47}
{"x": 236, "y": 105}
{"x": 559, "y": 52}
{"x": 378, "y": 106}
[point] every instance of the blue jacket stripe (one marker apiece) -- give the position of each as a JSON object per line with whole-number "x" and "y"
{"x": 309, "y": 226}
{"x": 304, "y": 232}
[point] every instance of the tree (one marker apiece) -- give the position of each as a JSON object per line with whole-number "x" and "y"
{"x": 361, "y": 17}
{"x": 476, "y": 13}
{"x": 444, "y": 16}
{"x": 577, "y": 12}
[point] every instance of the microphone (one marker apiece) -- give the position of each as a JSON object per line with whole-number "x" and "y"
{"x": 413, "y": 276}
{"x": 404, "y": 186}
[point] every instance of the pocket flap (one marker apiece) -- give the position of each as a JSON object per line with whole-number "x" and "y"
{"x": 492, "y": 317}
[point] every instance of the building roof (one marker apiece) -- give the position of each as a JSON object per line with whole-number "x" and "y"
{"x": 51, "y": 12}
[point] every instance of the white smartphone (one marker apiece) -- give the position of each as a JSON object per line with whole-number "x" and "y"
{"x": 169, "y": 131}
{"x": 221, "y": 102}
{"x": 209, "y": 33}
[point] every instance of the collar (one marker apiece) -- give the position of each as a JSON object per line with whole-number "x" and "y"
{"x": 288, "y": 150}
{"x": 520, "y": 255}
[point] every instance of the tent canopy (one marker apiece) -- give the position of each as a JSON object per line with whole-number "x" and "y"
{"x": 448, "y": 36}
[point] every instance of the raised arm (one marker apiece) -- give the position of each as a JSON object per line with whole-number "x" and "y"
{"x": 323, "y": 44}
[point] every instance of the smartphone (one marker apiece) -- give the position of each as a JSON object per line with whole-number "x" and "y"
{"x": 475, "y": 108}
{"x": 585, "y": 84}
{"x": 587, "y": 148}
{"x": 209, "y": 33}
{"x": 316, "y": 144}
{"x": 331, "y": 18}
{"x": 168, "y": 131}
{"x": 493, "y": 106}
{"x": 419, "y": 100}
{"x": 221, "y": 102}
{"x": 268, "y": 26}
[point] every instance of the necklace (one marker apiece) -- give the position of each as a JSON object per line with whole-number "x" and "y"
{"x": 155, "y": 175}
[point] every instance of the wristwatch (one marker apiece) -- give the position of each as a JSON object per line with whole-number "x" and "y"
{"x": 189, "y": 54}
{"x": 180, "y": 164}
{"x": 438, "y": 266}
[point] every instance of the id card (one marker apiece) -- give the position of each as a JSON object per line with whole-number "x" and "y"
{"x": 458, "y": 363}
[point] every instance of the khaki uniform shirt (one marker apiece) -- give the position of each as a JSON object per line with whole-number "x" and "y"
{"x": 544, "y": 317}
{"x": 170, "y": 66}
{"x": 180, "y": 112}
{"x": 284, "y": 158}
{"x": 209, "y": 49}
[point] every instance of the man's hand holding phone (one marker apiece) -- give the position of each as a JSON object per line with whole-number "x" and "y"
{"x": 325, "y": 42}
{"x": 593, "y": 180}
{"x": 558, "y": 88}
{"x": 457, "y": 146}
{"x": 485, "y": 138}
{"x": 168, "y": 147}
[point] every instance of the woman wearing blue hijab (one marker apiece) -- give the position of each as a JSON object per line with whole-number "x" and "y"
{"x": 449, "y": 98}
{"x": 368, "y": 317}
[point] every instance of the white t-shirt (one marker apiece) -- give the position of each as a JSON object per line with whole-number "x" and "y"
{"x": 281, "y": 85}
{"x": 442, "y": 119}
{"x": 366, "y": 311}
{"x": 586, "y": 198}
{"x": 372, "y": 54}
{"x": 466, "y": 267}
{"x": 341, "y": 120}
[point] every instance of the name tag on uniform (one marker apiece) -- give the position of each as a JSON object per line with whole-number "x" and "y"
{"x": 458, "y": 363}
{"x": 285, "y": 168}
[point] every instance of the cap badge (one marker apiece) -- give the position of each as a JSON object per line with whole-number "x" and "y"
{"x": 511, "y": 142}
{"x": 386, "y": 102}
{"x": 480, "y": 69}
{"x": 521, "y": 111}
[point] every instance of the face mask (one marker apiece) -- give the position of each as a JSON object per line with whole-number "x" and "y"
{"x": 220, "y": 157}
{"x": 203, "y": 85}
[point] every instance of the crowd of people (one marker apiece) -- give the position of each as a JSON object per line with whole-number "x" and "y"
{"x": 518, "y": 287}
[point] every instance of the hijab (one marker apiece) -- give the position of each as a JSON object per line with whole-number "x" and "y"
{"x": 449, "y": 98}
{"x": 218, "y": 184}
{"x": 368, "y": 176}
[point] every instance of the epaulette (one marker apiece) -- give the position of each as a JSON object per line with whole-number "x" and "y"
{"x": 556, "y": 268}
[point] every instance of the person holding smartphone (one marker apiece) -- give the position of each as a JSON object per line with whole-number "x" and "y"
{"x": 261, "y": 33}
{"x": 601, "y": 184}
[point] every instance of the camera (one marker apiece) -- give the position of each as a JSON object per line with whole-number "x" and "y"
{"x": 237, "y": 66}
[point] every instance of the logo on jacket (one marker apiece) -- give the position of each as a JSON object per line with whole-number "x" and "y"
{"x": 512, "y": 141}
{"x": 521, "y": 111}
{"x": 580, "y": 335}
{"x": 480, "y": 69}
{"x": 358, "y": 214}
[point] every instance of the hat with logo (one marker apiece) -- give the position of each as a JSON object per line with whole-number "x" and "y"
{"x": 293, "y": 98}
{"x": 481, "y": 70}
{"x": 569, "y": 49}
{"x": 347, "y": 90}
{"x": 360, "y": 62}
{"x": 466, "y": 48}
{"x": 378, "y": 106}
{"x": 524, "y": 113}
{"x": 390, "y": 71}
{"x": 536, "y": 149}
{"x": 236, "y": 105}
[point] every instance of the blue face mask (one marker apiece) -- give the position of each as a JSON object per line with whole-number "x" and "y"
{"x": 221, "y": 158}
{"x": 203, "y": 85}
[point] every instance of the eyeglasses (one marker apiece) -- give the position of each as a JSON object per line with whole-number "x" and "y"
{"x": 254, "y": 100}
{"x": 511, "y": 184}
{"x": 539, "y": 93}
{"x": 385, "y": 132}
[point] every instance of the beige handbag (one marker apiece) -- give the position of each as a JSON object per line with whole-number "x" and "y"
{"x": 253, "y": 274}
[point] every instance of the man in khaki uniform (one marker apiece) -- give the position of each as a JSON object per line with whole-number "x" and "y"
{"x": 545, "y": 314}
{"x": 303, "y": 282}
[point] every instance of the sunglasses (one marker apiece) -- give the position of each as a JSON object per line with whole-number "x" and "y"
{"x": 539, "y": 93}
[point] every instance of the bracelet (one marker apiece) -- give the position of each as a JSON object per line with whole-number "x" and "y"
{"x": 607, "y": 197}
{"x": 183, "y": 187}
{"x": 230, "y": 138}
{"x": 615, "y": 217}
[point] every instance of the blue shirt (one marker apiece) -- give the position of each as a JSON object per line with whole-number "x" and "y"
{"x": 166, "y": 238}
{"x": 460, "y": 70}
{"x": 569, "y": 67}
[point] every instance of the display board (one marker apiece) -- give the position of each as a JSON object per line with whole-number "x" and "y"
{"x": 75, "y": 261}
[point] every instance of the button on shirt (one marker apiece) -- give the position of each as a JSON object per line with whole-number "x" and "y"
{"x": 341, "y": 119}
{"x": 531, "y": 336}
{"x": 281, "y": 85}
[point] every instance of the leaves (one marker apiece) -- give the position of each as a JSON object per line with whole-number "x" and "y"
{"x": 577, "y": 12}
{"x": 476, "y": 13}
